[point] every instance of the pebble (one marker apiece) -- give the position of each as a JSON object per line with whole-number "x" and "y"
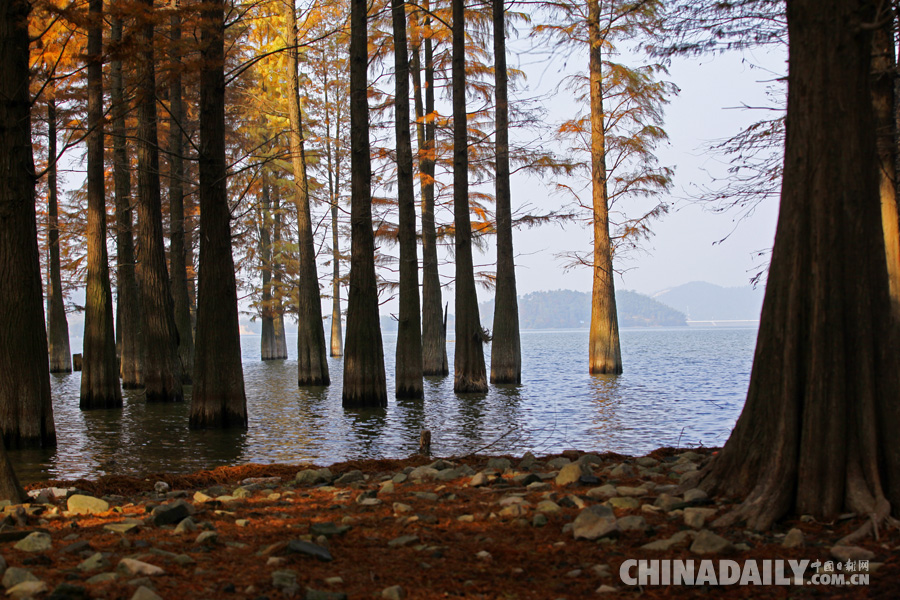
{"x": 513, "y": 511}
{"x": 242, "y": 522}
{"x": 207, "y": 537}
{"x": 793, "y": 539}
{"x": 479, "y": 479}
{"x": 312, "y": 594}
{"x": 161, "y": 487}
{"x": 669, "y": 543}
{"x": 121, "y": 528}
{"x": 350, "y": 477}
{"x": 667, "y": 502}
{"x": 328, "y": 529}
{"x": 622, "y": 471}
{"x": 131, "y": 566}
{"x": 186, "y": 525}
{"x": 854, "y": 553}
{"x": 571, "y": 473}
{"x": 314, "y": 476}
{"x": 101, "y": 578}
{"x": 483, "y": 555}
{"x": 387, "y": 488}
{"x": 168, "y": 514}
{"x": 93, "y": 563}
{"x": 624, "y": 503}
{"x": 624, "y": 490}
{"x": 27, "y": 589}
{"x": 594, "y": 523}
{"x": 605, "y": 589}
{"x": 145, "y": 593}
{"x": 696, "y": 517}
{"x": 14, "y": 576}
{"x": 80, "y": 504}
{"x": 309, "y": 549}
{"x": 394, "y": 592}
{"x": 499, "y": 464}
{"x": 707, "y": 542}
{"x": 558, "y": 463}
{"x": 632, "y": 523}
{"x": 403, "y": 540}
{"x": 35, "y": 542}
{"x": 285, "y": 580}
{"x": 603, "y": 492}
{"x": 547, "y": 506}
{"x": 539, "y": 520}
{"x": 695, "y": 495}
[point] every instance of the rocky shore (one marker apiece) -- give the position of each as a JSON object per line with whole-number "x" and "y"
{"x": 475, "y": 527}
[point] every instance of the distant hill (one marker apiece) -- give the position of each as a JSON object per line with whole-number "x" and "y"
{"x": 568, "y": 309}
{"x": 702, "y": 301}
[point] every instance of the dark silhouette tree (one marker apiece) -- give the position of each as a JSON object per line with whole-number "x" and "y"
{"x": 364, "y": 379}
{"x": 825, "y": 369}
{"x": 99, "y": 378}
{"x": 408, "y": 379}
{"x": 218, "y": 399}
{"x": 469, "y": 371}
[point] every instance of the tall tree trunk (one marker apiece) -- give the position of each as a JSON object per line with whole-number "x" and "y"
{"x": 312, "y": 364}
{"x": 434, "y": 335}
{"x": 278, "y": 280}
{"x": 57, "y": 325}
{"x": 99, "y": 376}
{"x": 605, "y": 356}
{"x": 272, "y": 346}
{"x": 333, "y": 160}
{"x": 26, "y": 415}
{"x": 817, "y": 433}
{"x": 218, "y": 398}
{"x": 128, "y": 313}
{"x": 408, "y": 379}
{"x": 162, "y": 366}
{"x": 468, "y": 363}
{"x": 364, "y": 380}
{"x": 177, "y": 253}
{"x": 506, "y": 352}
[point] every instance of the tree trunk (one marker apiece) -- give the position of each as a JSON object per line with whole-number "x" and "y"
{"x": 817, "y": 433}
{"x": 278, "y": 281}
{"x": 57, "y": 325}
{"x": 272, "y": 346}
{"x": 99, "y": 376}
{"x": 333, "y": 159}
{"x": 468, "y": 362}
{"x": 605, "y": 355}
{"x": 128, "y": 313}
{"x": 159, "y": 334}
{"x": 506, "y": 353}
{"x": 177, "y": 252}
{"x": 434, "y": 337}
{"x": 218, "y": 398}
{"x": 364, "y": 380}
{"x": 408, "y": 380}
{"x": 312, "y": 364}
{"x": 26, "y": 414}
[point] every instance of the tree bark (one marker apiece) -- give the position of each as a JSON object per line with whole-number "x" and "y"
{"x": 434, "y": 337}
{"x": 272, "y": 345}
{"x": 218, "y": 399}
{"x": 26, "y": 414}
{"x": 506, "y": 352}
{"x": 278, "y": 280}
{"x": 128, "y": 312}
{"x": 57, "y": 324}
{"x": 817, "y": 433}
{"x": 605, "y": 356}
{"x": 177, "y": 251}
{"x": 99, "y": 376}
{"x": 159, "y": 334}
{"x": 333, "y": 159}
{"x": 408, "y": 379}
{"x": 312, "y": 364}
{"x": 468, "y": 363}
{"x": 364, "y": 379}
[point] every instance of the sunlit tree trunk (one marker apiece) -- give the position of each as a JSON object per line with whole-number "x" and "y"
{"x": 408, "y": 378}
{"x": 434, "y": 335}
{"x": 817, "y": 434}
{"x": 177, "y": 252}
{"x": 506, "y": 353}
{"x": 26, "y": 415}
{"x": 272, "y": 345}
{"x": 364, "y": 380}
{"x": 278, "y": 279}
{"x": 468, "y": 363}
{"x": 333, "y": 158}
{"x": 218, "y": 399}
{"x": 57, "y": 325}
{"x": 128, "y": 314}
{"x": 605, "y": 355}
{"x": 312, "y": 364}
{"x": 159, "y": 334}
{"x": 99, "y": 377}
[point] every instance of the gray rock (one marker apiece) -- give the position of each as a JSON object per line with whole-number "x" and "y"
{"x": 448, "y": 475}
{"x": 430, "y": 496}
{"x": 528, "y": 462}
{"x": 793, "y": 539}
{"x": 696, "y": 517}
{"x": 479, "y": 479}
{"x": 387, "y": 488}
{"x": 423, "y": 474}
{"x": 636, "y": 492}
{"x": 242, "y": 492}
{"x": 314, "y": 476}
{"x": 68, "y": 591}
{"x": 500, "y": 464}
{"x": 207, "y": 537}
{"x": 122, "y": 528}
{"x": 86, "y": 505}
{"x": 624, "y": 503}
{"x": 399, "y": 478}
{"x": 689, "y": 455}
{"x": 695, "y": 495}
{"x": 605, "y": 589}
{"x": 94, "y": 562}
{"x": 667, "y": 502}
{"x": 27, "y": 589}
{"x": 403, "y": 540}
{"x": 309, "y": 549}
{"x": 285, "y": 580}
{"x": 539, "y": 520}
{"x": 603, "y": 492}
{"x": 145, "y": 593}
{"x": 161, "y": 487}
{"x": 594, "y": 523}
{"x": 186, "y": 525}
{"x": 548, "y": 506}
{"x": 707, "y": 542}
{"x": 101, "y": 578}
{"x": 173, "y": 512}
{"x": 395, "y": 592}
{"x": 35, "y": 542}
{"x": 854, "y": 553}
{"x": 329, "y": 530}
{"x": 442, "y": 465}
{"x": 632, "y": 523}
{"x": 350, "y": 477}
{"x": 622, "y": 471}
{"x": 558, "y": 463}
{"x": 16, "y": 575}
{"x": 571, "y": 473}
{"x": 312, "y": 594}
{"x": 669, "y": 543}
{"x": 130, "y": 566}
{"x": 646, "y": 462}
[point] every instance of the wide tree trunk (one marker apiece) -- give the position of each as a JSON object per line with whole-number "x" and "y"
{"x": 605, "y": 356}
{"x": 218, "y": 398}
{"x": 333, "y": 160}
{"x": 818, "y": 431}
{"x": 408, "y": 380}
{"x": 159, "y": 334}
{"x": 364, "y": 380}
{"x": 272, "y": 342}
{"x": 128, "y": 312}
{"x": 312, "y": 364}
{"x": 177, "y": 252}
{"x": 99, "y": 375}
{"x": 434, "y": 334}
{"x": 468, "y": 363}
{"x": 26, "y": 414}
{"x": 57, "y": 325}
{"x": 506, "y": 352}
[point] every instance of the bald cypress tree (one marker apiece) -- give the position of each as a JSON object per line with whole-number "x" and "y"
{"x": 57, "y": 324}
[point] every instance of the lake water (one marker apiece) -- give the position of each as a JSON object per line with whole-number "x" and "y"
{"x": 681, "y": 386}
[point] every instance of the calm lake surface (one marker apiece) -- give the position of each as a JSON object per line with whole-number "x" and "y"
{"x": 681, "y": 386}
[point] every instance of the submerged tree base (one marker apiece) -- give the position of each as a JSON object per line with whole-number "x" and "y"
{"x": 100, "y": 401}
{"x": 218, "y": 419}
